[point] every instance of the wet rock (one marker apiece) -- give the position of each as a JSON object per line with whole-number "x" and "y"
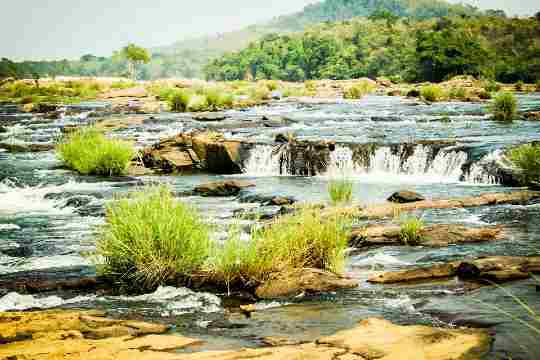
{"x": 24, "y": 148}
{"x": 44, "y": 108}
{"x": 3, "y": 130}
{"x": 19, "y": 251}
{"x": 531, "y": 116}
{"x": 276, "y": 122}
{"x": 303, "y": 281}
{"x": 494, "y": 269}
{"x": 380, "y": 339}
{"x": 265, "y": 200}
{"x": 276, "y": 95}
{"x": 223, "y": 188}
{"x": 69, "y": 129}
{"x": 434, "y": 235}
{"x": 405, "y": 196}
{"x": 78, "y": 201}
{"x": 413, "y": 93}
{"x": 210, "y": 116}
{"x": 200, "y": 151}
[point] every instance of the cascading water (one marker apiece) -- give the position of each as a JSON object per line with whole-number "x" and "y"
{"x": 385, "y": 165}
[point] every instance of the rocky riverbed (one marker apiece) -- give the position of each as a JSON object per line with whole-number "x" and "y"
{"x": 241, "y": 167}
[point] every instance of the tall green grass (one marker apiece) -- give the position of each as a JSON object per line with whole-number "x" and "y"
{"x": 432, "y": 93}
{"x": 89, "y": 151}
{"x": 359, "y": 90}
{"x": 527, "y": 159}
{"x": 150, "y": 237}
{"x": 411, "y": 230}
{"x": 504, "y": 107}
{"x": 340, "y": 191}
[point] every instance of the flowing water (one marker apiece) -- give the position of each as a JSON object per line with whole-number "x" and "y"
{"x": 48, "y": 216}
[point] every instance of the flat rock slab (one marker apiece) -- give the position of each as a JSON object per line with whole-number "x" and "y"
{"x": 24, "y": 148}
{"x": 223, "y": 188}
{"x": 210, "y": 116}
{"x": 301, "y": 281}
{"x": 434, "y": 235}
{"x": 74, "y": 335}
{"x": 487, "y": 269}
{"x": 404, "y": 197}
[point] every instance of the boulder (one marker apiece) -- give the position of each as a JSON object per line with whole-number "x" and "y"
{"x": 531, "y": 116}
{"x": 435, "y": 235}
{"x": 405, "y": 196}
{"x": 385, "y": 82}
{"x": 380, "y": 339}
{"x": 493, "y": 269}
{"x": 210, "y": 116}
{"x": 306, "y": 280}
{"x": 223, "y": 188}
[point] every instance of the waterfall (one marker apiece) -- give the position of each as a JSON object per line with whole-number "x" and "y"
{"x": 423, "y": 165}
{"x": 478, "y": 172}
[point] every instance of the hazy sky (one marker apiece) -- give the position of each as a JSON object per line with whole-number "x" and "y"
{"x": 54, "y": 29}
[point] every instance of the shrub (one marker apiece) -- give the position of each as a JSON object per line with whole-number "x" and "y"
{"x": 88, "y": 151}
{"x": 259, "y": 93}
{"x": 304, "y": 239}
{"x": 458, "y": 93}
{"x": 150, "y": 237}
{"x": 177, "y": 99}
{"x": 218, "y": 99}
{"x": 411, "y": 230}
{"x": 527, "y": 159}
{"x": 432, "y": 93}
{"x": 340, "y": 191}
{"x": 519, "y": 85}
{"x": 504, "y": 107}
{"x": 359, "y": 90}
{"x": 197, "y": 103}
{"x": 492, "y": 86}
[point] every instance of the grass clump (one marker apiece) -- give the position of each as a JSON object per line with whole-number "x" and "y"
{"x": 359, "y": 90}
{"x": 340, "y": 191}
{"x": 527, "y": 159}
{"x": 411, "y": 230}
{"x": 432, "y": 93}
{"x": 122, "y": 85}
{"x": 88, "y": 151}
{"x": 177, "y": 99}
{"x": 504, "y": 107}
{"x": 519, "y": 85}
{"x": 150, "y": 237}
{"x": 538, "y": 86}
{"x": 304, "y": 239}
{"x": 458, "y": 93}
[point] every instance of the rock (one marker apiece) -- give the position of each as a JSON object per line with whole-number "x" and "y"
{"x": 275, "y": 121}
{"x": 23, "y": 148}
{"x": 385, "y": 82}
{"x": 380, "y": 339}
{"x": 413, "y": 93}
{"x": 210, "y": 116}
{"x": 302, "y": 281}
{"x": 276, "y": 95}
{"x": 69, "y": 129}
{"x": 435, "y": 235}
{"x": 493, "y": 268}
{"x": 223, "y": 188}
{"x": 19, "y": 251}
{"x": 136, "y": 92}
{"x": 199, "y": 151}
{"x": 396, "y": 92}
{"x": 265, "y": 200}
{"x": 3, "y": 130}
{"x": 405, "y": 196}
{"x": 43, "y": 108}
{"x": 531, "y": 116}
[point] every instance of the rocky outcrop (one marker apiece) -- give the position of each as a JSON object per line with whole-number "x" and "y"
{"x": 197, "y": 152}
{"x": 136, "y": 92}
{"x": 223, "y": 188}
{"x": 306, "y": 280}
{"x": 72, "y": 335}
{"x": 24, "y": 147}
{"x": 494, "y": 269}
{"x": 531, "y": 115}
{"x": 388, "y": 210}
{"x": 434, "y": 235}
{"x": 405, "y": 196}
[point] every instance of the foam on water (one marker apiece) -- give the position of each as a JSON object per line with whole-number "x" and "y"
{"x": 16, "y": 302}
{"x": 8, "y": 227}
{"x": 380, "y": 259}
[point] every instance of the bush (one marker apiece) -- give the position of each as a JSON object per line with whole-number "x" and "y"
{"x": 218, "y": 99}
{"x": 359, "y": 90}
{"x": 304, "y": 239}
{"x": 458, "y": 93}
{"x": 88, "y": 151}
{"x": 177, "y": 99}
{"x": 527, "y": 159}
{"x": 150, "y": 237}
{"x": 197, "y": 103}
{"x": 492, "y": 86}
{"x": 519, "y": 86}
{"x": 432, "y": 93}
{"x": 411, "y": 230}
{"x": 340, "y": 191}
{"x": 504, "y": 107}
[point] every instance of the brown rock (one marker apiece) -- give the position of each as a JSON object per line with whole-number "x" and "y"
{"x": 405, "y": 196}
{"x": 136, "y": 92}
{"x": 427, "y": 273}
{"x": 223, "y": 188}
{"x": 303, "y": 280}
{"x": 380, "y": 339}
{"x": 23, "y": 148}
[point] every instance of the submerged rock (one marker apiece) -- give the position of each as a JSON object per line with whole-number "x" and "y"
{"x": 303, "y": 281}
{"x": 405, "y": 196}
{"x": 23, "y": 148}
{"x": 434, "y": 235}
{"x": 223, "y": 188}
{"x": 493, "y": 269}
{"x": 210, "y": 116}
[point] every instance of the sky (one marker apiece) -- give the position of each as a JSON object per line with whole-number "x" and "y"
{"x": 57, "y": 29}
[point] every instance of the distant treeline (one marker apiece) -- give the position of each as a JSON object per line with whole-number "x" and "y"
{"x": 495, "y": 47}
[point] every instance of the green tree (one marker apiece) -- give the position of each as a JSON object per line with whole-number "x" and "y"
{"x": 135, "y": 55}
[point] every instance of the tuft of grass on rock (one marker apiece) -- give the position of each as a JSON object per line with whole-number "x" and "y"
{"x": 504, "y": 107}
{"x": 177, "y": 99}
{"x": 340, "y": 191}
{"x": 519, "y": 85}
{"x": 90, "y": 152}
{"x": 527, "y": 159}
{"x": 432, "y": 93}
{"x": 359, "y": 90}
{"x": 150, "y": 237}
{"x": 411, "y": 230}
